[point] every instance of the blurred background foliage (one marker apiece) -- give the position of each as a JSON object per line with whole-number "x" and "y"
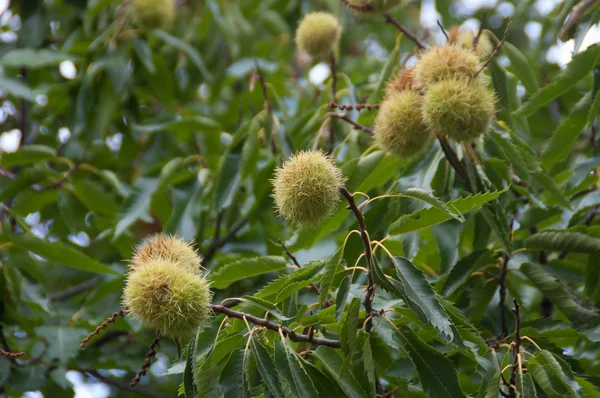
{"x": 112, "y": 132}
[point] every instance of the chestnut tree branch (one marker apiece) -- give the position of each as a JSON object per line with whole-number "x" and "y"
{"x": 364, "y": 235}
{"x": 275, "y": 327}
{"x": 389, "y": 19}
{"x": 452, "y": 158}
{"x": 346, "y": 118}
{"x": 516, "y": 350}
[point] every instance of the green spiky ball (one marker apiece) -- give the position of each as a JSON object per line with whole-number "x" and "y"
{"x": 484, "y": 48}
{"x": 318, "y": 33}
{"x": 152, "y": 14}
{"x": 404, "y": 80}
{"x": 169, "y": 248}
{"x": 399, "y": 126}
{"x": 307, "y": 188}
{"x": 165, "y": 298}
{"x": 444, "y": 63}
{"x": 460, "y": 109}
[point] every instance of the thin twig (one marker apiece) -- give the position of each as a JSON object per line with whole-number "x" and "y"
{"x": 346, "y": 118}
{"x": 452, "y": 158}
{"x": 443, "y": 31}
{"x": 502, "y": 283}
{"x": 389, "y": 19}
{"x": 11, "y": 355}
{"x": 297, "y": 264}
{"x": 103, "y": 325}
{"x": 275, "y": 327}
{"x": 516, "y": 350}
{"x": 358, "y": 107}
{"x": 74, "y": 290}
{"x": 58, "y": 183}
{"x": 370, "y": 294}
{"x": 147, "y": 361}
{"x": 498, "y": 47}
{"x": 364, "y": 235}
{"x": 478, "y": 36}
{"x": 216, "y": 245}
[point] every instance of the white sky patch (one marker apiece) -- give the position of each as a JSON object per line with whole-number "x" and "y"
{"x": 470, "y": 6}
{"x": 87, "y": 390}
{"x": 80, "y": 239}
{"x": 429, "y": 15}
{"x": 506, "y": 9}
{"x": 4, "y": 5}
{"x": 41, "y": 100}
{"x": 592, "y": 37}
{"x": 533, "y": 30}
{"x": 9, "y": 140}
{"x": 63, "y": 134}
{"x": 114, "y": 142}
{"x": 562, "y": 52}
{"x": 67, "y": 69}
{"x": 545, "y": 6}
{"x": 319, "y": 73}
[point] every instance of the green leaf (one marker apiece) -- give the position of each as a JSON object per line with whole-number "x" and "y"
{"x": 228, "y": 180}
{"x": 144, "y": 53}
{"x": 433, "y": 201}
{"x": 579, "y": 67}
{"x": 420, "y": 292}
{"x": 332, "y": 363}
{"x": 136, "y": 206}
{"x": 60, "y": 253}
{"x": 564, "y": 241}
{"x": 342, "y": 296}
{"x": 520, "y": 67}
{"x": 266, "y": 368}
{"x": 292, "y": 375}
{"x": 525, "y": 385}
{"x": 191, "y": 52}
{"x": 95, "y": 198}
{"x": 180, "y": 124}
{"x": 27, "y": 154}
{"x": 462, "y": 270}
{"x": 493, "y": 387}
{"x": 329, "y": 271}
{"x": 436, "y": 373}
{"x": 424, "y": 218}
{"x": 245, "y": 268}
{"x": 349, "y": 325}
{"x": 16, "y": 88}
{"x": 512, "y": 153}
{"x": 233, "y": 381}
{"x": 577, "y": 309}
{"x": 553, "y": 375}
{"x": 265, "y": 305}
{"x": 565, "y": 135}
{"x": 62, "y": 341}
{"x": 595, "y": 108}
{"x": 22, "y": 181}
{"x": 32, "y": 58}
{"x": 188, "y": 373}
{"x": 286, "y": 285}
